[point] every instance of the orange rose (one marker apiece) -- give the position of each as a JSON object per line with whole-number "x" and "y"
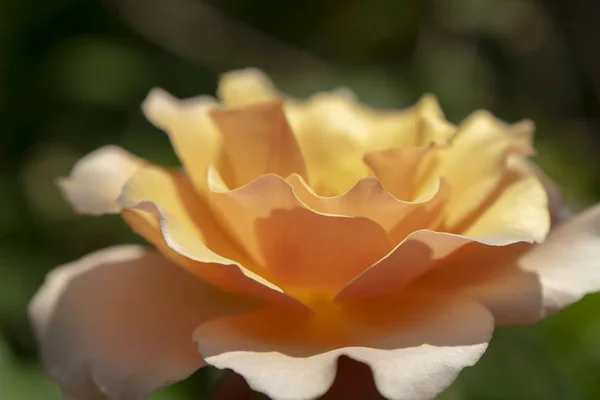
{"x": 302, "y": 231}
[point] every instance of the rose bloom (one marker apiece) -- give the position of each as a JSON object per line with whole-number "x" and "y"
{"x": 298, "y": 233}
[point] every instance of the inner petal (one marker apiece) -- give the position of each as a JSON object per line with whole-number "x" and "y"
{"x": 257, "y": 140}
{"x": 304, "y": 252}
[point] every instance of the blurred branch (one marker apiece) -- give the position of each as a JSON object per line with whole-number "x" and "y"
{"x": 203, "y": 34}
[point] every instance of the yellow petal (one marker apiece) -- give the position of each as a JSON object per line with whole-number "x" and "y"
{"x": 192, "y": 133}
{"x": 245, "y": 87}
{"x": 257, "y": 140}
{"x": 475, "y": 164}
{"x": 436, "y": 335}
{"x": 335, "y": 132}
{"x": 518, "y": 213}
{"x": 97, "y": 179}
{"x": 559, "y": 211}
{"x": 118, "y": 322}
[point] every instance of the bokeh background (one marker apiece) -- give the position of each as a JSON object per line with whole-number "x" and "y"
{"x": 73, "y": 74}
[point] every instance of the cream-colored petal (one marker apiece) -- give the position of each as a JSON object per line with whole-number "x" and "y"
{"x": 568, "y": 262}
{"x": 97, "y": 180}
{"x": 119, "y": 322}
{"x": 413, "y": 355}
{"x": 246, "y": 87}
{"x": 192, "y": 133}
{"x": 257, "y": 140}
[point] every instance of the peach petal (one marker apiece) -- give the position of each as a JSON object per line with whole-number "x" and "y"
{"x": 369, "y": 199}
{"x": 162, "y": 207}
{"x": 179, "y": 244}
{"x": 119, "y": 322}
{"x": 404, "y": 172}
{"x": 257, "y": 140}
{"x": 97, "y": 180}
{"x": 420, "y": 252}
{"x": 190, "y": 129}
{"x": 297, "y": 246}
{"x": 412, "y": 356}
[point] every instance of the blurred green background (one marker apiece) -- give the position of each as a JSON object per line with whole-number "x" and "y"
{"x": 73, "y": 74}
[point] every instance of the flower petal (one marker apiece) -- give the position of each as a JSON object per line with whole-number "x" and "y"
{"x": 369, "y": 199}
{"x": 405, "y": 172}
{"x": 257, "y": 140}
{"x": 97, "y": 180}
{"x": 559, "y": 211}
{"x": 178, "y": 223}
{"x": 119, "y": 322}
{"x": 192, "y": 132}
{"x": 294, "y": 246}
{"x": 490, "y": 275}
{"x": 420, "y": 252}
{"x": 335, "y": 131}
{"x": 246, "y": 87}
{"x": 481, "y": 141}
{"x": 528, "y": 282}
{"x": 415, "y": 351}
{"x": 567, "y": 263}
{"x": 518, "y": 212}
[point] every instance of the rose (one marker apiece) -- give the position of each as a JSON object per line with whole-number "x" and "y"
{"x": 301, "y": 231}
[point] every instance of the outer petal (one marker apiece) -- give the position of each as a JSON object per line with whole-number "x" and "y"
{"x": 119, "y": 322}
{"x": 257, "y": 140}
{"x": 192, "y": 133}
{"x": 524, "y": 284}
{"x": 163, "y": 208}
{"x": 568, "y": 262}
{"x": 415, "y": 352}
{"x": 98, "y": 178}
